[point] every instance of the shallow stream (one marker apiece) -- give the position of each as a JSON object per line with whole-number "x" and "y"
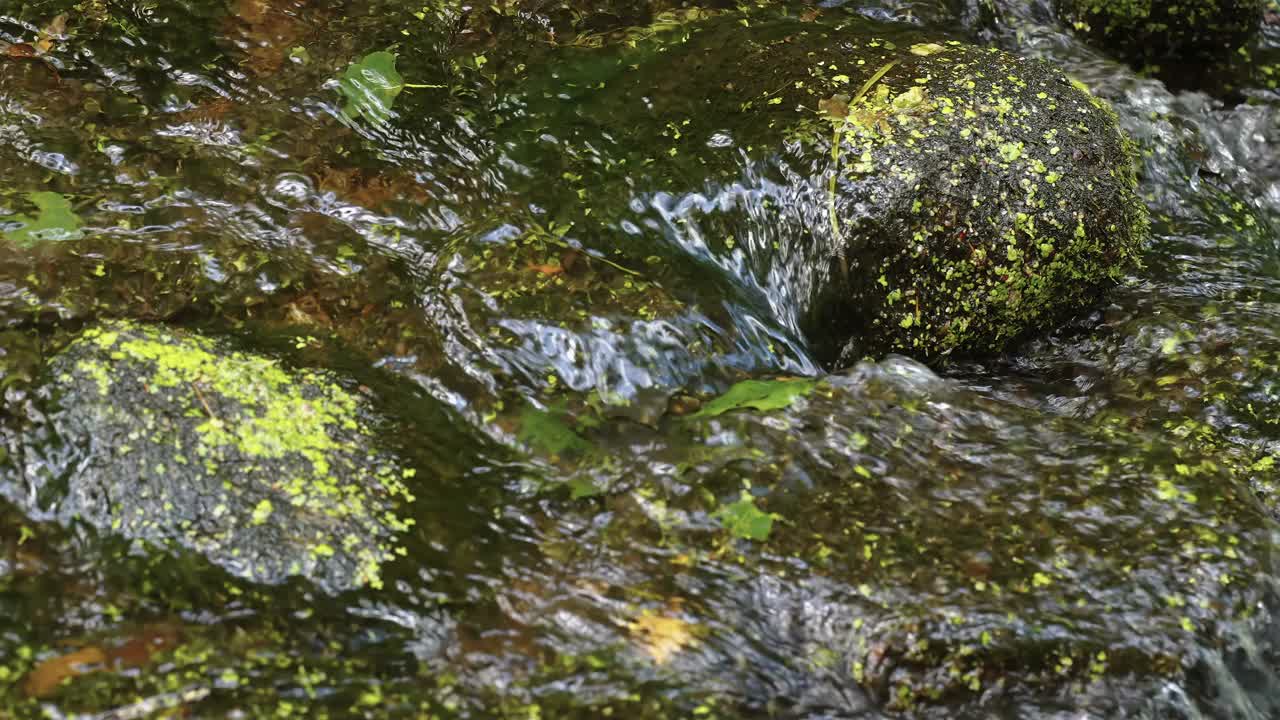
{"x": 551, "y": 312}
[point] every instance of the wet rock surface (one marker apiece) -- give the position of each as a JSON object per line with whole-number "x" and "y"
{"x": 935, "y": 197}
{"x": 559, "y": 260}
{"x": 167, "y": 437}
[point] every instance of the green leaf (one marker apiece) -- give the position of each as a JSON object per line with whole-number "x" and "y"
{"x": 763, "y": 395}
{"x": 582, "y": 487}
{"x": 371, "y": 87}
{"x": 744, "y": 520}
{"x": 544, "y": 432}
{"x": 55, "y": 221}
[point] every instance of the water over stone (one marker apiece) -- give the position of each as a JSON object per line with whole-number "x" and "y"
{"x": 169, "y": 437}
{"x": 934, "y": 197}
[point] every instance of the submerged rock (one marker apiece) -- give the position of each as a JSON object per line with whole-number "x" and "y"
{"x": 907, "y": 194}
{"x": 170, "y": 437}
{"x": 1152, "y": 30}
{"x": 889, "y": 539}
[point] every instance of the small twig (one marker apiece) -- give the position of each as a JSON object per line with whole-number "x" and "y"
{"x": 835, "y": 159}
{"x": 205, "y": 403}
{"x": 874, "y": 79}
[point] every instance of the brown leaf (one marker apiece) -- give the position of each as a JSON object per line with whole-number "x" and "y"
{"x": 661, "y": 637}
{"x": 151, "y": 640}
{"x": 54, "y": 31}
{"x": 45, "y": 678}
{"x": 835, "y": 107}
{"x": 21, "y": 50}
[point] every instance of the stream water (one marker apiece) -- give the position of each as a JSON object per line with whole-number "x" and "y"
{"x": 541, "y": 307}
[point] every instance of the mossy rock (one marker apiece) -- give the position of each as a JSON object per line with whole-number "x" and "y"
{"x": 170, "y": 437}
{"x": 978, "y": 196}
{"x": 923, "y": 196}
{"x": 1152, "y": 30}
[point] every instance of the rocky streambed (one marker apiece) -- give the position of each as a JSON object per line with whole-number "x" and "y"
{"x": 865, "y": 359}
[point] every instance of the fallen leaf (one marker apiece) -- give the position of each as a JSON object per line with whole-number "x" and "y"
{"x": 54, "y": 31}
{"x": 141, "y": 647}
{"x": 744, "y": 520}
{"x": 835, "y": 107}
{"x": 371, "y": 86}
{"x": 659, "y": 636}
{"x": 763, "y": 395}
{"x": 48, "y": 676}
{"x": 45, "y": 678}
{"x": 927, "y": 49}
{"x": 546, "y": 269}
{"x": 56, "y": 220}
{"x": 21, "y": 50}
{"x": 57, "y": 27}
{"x": 546, "y": 432}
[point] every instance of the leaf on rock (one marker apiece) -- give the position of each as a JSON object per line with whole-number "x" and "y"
{"x": 835, "y": 107}
{"x": 744, "y": 520}
{"x": 544, "y": 432}
{"x": 55, "y": 221}
{"x": 371, "y": 86}
{"x": 763, "y": 395}
{"x": 661, "y": 637}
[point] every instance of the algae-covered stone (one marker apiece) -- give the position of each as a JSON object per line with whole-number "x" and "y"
{"x": 910, "y": 194}
{"x": 980, "y": 196}
{"x": 1149, "y": 30}
{"x": 176, "y": 438}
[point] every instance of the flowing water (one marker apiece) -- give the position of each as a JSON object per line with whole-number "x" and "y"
{"x": 539, "y": 297}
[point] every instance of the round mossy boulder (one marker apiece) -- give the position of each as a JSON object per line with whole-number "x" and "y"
{"x": 886, "y": 190}
{"x": 172, "y": 438}
{"x": 1151, "y": 30}
{"x": 975, "y": 196}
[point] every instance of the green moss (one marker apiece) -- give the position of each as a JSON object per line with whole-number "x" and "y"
{"x": 271, "y": 471}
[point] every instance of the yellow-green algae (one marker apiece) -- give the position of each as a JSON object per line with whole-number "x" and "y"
{"x": 974, "y": 196}
{"x": 949, "y": 552}
{"x": 270, "y": 472}
{"x": 1022, "y": 197}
